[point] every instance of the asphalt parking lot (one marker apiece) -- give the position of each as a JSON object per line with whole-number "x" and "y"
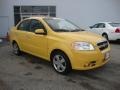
{"x": 27, "y": 72}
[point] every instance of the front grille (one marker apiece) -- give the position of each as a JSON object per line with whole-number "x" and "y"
{"x": 102, "y": 45}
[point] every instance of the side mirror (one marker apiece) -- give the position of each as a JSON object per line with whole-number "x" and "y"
{"x": 40, "y": 31}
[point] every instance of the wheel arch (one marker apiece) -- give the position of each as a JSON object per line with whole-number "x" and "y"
{"x": 107, "y": 36}
{"x": 55, "y": 51}
{"x": 13, "y": 41}
{"x": 104, "y": 33}
{"x": 68, "y": 54}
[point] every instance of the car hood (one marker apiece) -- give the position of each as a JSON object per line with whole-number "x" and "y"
{"x": 81, "y": 36}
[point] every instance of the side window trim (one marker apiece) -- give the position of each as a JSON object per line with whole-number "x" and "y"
{"x": 104, "y": 25}
{"x": 101, "y": 25}
{"x": 18, "y": 26}
{"x": 95, "y": 26}
{"x": 98, "y": 25}
{"x": 39, "y": 23}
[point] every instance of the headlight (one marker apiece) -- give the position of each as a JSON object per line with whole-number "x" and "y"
{"x": 82, "y": 46}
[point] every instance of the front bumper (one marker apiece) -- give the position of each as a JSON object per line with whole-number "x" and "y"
{"x": 86, "y": 60}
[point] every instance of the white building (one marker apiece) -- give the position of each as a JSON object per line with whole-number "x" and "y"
{"x": 81, "y": 12}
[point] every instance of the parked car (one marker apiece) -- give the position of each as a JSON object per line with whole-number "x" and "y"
{"x": 61, "y": 42}
{"x": 109, "y": 30}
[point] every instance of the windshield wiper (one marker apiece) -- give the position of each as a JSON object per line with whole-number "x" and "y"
{"x": 62, "y": 30}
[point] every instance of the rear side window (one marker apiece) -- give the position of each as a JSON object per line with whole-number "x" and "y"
{"x": 35, "y": 24}
{"x": 115, "y": 24}
{"x": 24, "y": 26}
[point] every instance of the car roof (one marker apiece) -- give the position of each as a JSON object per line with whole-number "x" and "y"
{"x": 109, "y": 22}
{"x": 38, "y": 18}
{"x": 42, "y": 17}
{"x": 105, "y": 22}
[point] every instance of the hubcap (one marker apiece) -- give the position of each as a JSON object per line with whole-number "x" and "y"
{"x": 59, "y": 63}
{"x": 15, "y": 48}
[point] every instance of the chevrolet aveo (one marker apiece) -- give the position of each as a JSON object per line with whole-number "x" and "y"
{"x": 61, "y": 42}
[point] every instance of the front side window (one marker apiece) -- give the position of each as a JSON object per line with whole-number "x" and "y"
{"x": 101, "y": 25}
{"x": 24, "y": 25}
{"x": 35, "y": 24}
{"x": 95, "y": 26}
{"x": 61, "y": 25}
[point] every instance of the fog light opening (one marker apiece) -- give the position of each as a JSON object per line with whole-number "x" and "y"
{"x": 90, "y": 64}
{"x": 93, "y": 63}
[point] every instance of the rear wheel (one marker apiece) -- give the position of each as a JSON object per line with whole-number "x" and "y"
{"x": 61, "y": 63}
{"x": 105, "y": 36}
{"x": 16, "y": 49}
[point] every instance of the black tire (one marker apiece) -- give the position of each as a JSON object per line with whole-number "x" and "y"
{"x": 105, "y": 36}
{"x": 16, "y": 49}
{"x": 65, "y": 64}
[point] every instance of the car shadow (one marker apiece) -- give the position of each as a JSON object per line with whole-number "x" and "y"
{"x": 115, "y": 42}
{"x": 35, "y": 60}
{"x": 87, "y": 78}
{"x": 91, "y": 72}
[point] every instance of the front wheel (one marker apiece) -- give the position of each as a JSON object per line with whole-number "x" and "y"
{"x": 61, "y": 63}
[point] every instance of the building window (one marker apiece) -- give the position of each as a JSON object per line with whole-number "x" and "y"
{"x": 22, "y": 12}
{"x": 17, "y": 16}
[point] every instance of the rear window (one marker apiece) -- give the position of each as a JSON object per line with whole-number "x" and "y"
{"x": 115, "y": 24}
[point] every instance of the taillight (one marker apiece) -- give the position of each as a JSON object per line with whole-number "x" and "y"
{"x": 117, "y": 30}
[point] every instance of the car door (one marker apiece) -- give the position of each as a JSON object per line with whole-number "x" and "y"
{"x": 94, "y": 28}
{"x": 98, "y": 28}
{"x": 101, "y": 28}
{"x": 22, "y": 34}
{"x": 37, "y": 42}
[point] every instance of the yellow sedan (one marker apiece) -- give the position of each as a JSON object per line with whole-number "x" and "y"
{"x": 61, "y": 42}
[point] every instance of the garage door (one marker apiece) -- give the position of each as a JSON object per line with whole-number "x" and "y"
{"x": 3, "y": 26}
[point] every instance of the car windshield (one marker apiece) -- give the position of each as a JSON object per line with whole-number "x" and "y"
{"x": 62, "y": 25}
{"x": 115, "y": 24}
